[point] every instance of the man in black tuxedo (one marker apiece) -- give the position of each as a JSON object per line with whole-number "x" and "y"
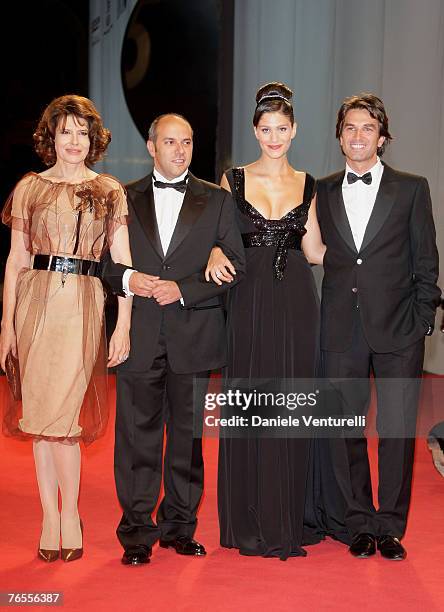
{"x": 379, "y": 297}
{"x": 177, "y": 335}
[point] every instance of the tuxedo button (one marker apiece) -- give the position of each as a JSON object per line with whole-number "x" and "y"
{"x": 355, "y": 290}
{"x": 359, "y": 262}
{"x": 165, "y": 267}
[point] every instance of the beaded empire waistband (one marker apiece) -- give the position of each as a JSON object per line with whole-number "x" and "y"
{"x": 282, "y": 240}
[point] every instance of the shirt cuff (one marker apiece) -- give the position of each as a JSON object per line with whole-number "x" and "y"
{"x": 125, "y": 282}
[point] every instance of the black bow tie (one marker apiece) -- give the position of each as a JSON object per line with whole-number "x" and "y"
{"x": 365, "y": 178}
{"x": 179, "y": 186}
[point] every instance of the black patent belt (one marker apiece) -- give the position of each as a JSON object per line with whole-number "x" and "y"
{"x": 283, "y": 240}
{"x": 66, "y": 265}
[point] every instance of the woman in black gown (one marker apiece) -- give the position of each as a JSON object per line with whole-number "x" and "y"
{"x": 266, "y": 485}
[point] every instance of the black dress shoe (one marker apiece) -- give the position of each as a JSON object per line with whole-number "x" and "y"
{"x": 363, "y": 545}
{"x": 184, "y": 545}
{"x": 391, "y": 548}
{"x": 139, "y": 555}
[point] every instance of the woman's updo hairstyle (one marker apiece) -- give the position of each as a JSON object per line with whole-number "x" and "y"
{"x": 273, "y": 98}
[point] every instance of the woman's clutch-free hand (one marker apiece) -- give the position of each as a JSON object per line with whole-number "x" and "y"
{"x": 219, "y": 267}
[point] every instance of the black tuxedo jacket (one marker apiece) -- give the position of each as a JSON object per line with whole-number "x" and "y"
{"x": 392, "y": 278}
{"x": 195, "y": 333}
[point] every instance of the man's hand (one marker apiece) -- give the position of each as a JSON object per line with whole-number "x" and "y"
{"x": 142, "y": 284}
{"x": 166, "y": 292}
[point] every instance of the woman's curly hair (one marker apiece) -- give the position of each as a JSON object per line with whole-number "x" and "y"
{"x": 60, "y": 109}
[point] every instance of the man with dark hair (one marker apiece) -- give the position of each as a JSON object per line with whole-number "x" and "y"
{"x": 177, "y": 335}
{"x": 379, "y": 297}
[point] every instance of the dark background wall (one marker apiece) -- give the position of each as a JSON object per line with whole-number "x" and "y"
{"x": 181, "y": 73}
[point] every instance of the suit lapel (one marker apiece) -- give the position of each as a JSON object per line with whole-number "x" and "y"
{"x": 338, "y": 212}
{"x": 385, "y": 199}
{"x": 143, "y": 203}
{"x": 192, "y": 207}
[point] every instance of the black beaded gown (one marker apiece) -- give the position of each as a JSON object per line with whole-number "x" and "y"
{"x": 267, "y": 486}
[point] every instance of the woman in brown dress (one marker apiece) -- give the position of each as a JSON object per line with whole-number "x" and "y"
{"x": 62, "y": 222}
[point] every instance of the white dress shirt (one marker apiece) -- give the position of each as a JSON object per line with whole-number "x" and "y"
{"x": 359, "y": 200}
{"x": 167, "y": 204}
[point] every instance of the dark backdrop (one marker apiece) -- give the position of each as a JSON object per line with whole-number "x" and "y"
{"x": 178, "y": 57}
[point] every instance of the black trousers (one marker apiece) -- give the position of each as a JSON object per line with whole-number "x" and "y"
{"x": 397, "y": 403}
{"x": 146, "y": 402}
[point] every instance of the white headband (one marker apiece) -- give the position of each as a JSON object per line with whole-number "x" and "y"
{"x": 269, "y": 96}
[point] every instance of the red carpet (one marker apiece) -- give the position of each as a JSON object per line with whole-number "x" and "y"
{"x": 328, "y": 579}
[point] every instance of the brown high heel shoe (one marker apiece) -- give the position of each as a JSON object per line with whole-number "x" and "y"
{"x": 72, "y": 554}
{"x": 48, "y": 555}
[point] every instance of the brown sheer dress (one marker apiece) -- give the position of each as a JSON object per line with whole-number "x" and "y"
{"x": 60, "y": 326}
